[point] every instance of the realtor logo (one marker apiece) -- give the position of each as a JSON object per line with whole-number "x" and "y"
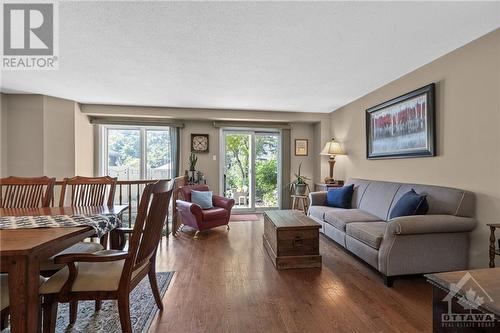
{"x": 473, "y": 298}
{"x": 29, "y": 41}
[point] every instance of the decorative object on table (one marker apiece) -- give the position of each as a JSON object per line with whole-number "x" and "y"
{"x": 301, "y": 147}
{"x": 403, "y": 126}
{"x": 202, "y": 219}
{"x": 332, "y": 148}
{"x": 326, "y": 187}
{"x": 299, "y": 186}
{"x": 493, "y": 251}
{"x": 142, "y": 311}
{"x": 199, "y": 143}
{"x": 192, "y": 174}
{"x": 340, "y": 197}
{"x": 102, "y": 224}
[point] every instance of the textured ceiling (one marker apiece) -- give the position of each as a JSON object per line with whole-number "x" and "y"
{"x": 310, "y": 57}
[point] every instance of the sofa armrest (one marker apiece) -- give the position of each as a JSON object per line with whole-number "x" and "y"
{"x": 317, "y": 198}
{"x": 220, "y": 201}
{"x": 429, "y": 224}
{"x": 186, "y": 206}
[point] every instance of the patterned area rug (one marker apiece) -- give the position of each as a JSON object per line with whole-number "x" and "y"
{"x": 142, "y": 311}
{"x": 243, "y": 218}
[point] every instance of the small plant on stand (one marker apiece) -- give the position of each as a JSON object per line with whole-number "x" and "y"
{"x": 299, "y": 186}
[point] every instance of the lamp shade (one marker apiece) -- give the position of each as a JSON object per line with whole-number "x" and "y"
{"x": 332, "y": 148}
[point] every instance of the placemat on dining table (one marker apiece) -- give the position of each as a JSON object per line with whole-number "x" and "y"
{"x": 102, "y": 224}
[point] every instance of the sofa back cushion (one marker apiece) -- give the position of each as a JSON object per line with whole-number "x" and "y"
{"x": 360, "y": 186}
{"x": 442, "y": 200}
{"x": 378, "y": 197}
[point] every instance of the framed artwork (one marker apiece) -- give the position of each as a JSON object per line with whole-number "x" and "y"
{"x": 301, "y": 147}
{"x": 403, "y": 126}
{"x": 199, "y": 143}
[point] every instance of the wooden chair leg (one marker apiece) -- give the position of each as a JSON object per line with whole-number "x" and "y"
{"x": 98, "y": 305}
{"x": 49, "y": 308}
{"x": 104, "y": 241}
{"x": 124, "y": 310}
{"x": 73, "y": 311}
{"x": 4, "y": 318}
{"x": 154, "y": 286}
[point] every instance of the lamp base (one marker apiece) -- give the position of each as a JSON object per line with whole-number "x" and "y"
{"x": 329, "y": 180}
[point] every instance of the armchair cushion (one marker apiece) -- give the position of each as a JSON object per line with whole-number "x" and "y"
{"x": 92, "y": 276}
{"x": 202, "y": 198}
{"x": 429, "y": 224}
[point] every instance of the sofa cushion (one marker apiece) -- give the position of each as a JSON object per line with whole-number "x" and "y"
{"x": 319, "y": 211}
{"x": 216, "y": 213}
{"x": 410, "y": 204}
{"x": 340, "y": 217}
{"x": 340, "y": 197}
{"x": 370, "y": 233}
{"x": 378, "y": 198}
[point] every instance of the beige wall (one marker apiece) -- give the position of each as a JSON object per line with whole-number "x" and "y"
{"x": 468, "y": 127}
{"x": 84, "y": 144}
{"x": 3, "y": 136}
{"x": 303, "y": 131}
{"x": 24, "y": 135}
{"x": 58, "y": 137}
{"x": 46, "y": 136}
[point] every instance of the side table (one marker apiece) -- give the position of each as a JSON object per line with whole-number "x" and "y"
{"x": 303, "y": 199}
{"x": 493, "y": 249}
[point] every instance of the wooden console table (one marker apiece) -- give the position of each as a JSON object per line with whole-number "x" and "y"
{"x": 493, "y": 249}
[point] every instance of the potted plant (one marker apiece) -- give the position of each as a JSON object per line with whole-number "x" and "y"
{"x": 193, "y": 159}
{"x": 299, "y": 186}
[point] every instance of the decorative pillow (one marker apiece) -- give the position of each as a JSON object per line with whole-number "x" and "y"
{"x": 340, "y": 197}
{"x": 410, "y": 203}
{"x": 202, "y": 198}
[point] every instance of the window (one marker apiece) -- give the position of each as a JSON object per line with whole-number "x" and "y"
{"x": 133, "y": 153}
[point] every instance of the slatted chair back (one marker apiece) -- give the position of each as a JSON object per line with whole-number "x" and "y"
{"x": 178, "y": 183}
{"x": 151, "y": 216}
{"x": 22, "y": 192}
{"x": 89, "y": 191}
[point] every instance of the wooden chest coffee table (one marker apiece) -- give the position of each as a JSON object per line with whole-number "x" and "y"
{"x": 291, "y": 239}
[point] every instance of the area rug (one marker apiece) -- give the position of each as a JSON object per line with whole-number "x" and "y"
{"x": 142, "y": 311}
{"x": 243, "y": 218}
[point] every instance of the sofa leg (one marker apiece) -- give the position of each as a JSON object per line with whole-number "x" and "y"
{"x": 227, "y": 226}
{"x": 388, "y": 281}
{"x": 196, "y": 234}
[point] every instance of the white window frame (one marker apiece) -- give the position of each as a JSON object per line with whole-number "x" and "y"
{"x": 103, "y": 145}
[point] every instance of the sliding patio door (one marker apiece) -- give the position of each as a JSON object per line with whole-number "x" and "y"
{"x": 250, "y": 168}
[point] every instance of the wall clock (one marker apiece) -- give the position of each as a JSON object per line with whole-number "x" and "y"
{"x": 199, "y": 143}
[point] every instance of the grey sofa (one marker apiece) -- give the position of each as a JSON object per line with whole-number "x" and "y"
{"x": 438, "y": 241}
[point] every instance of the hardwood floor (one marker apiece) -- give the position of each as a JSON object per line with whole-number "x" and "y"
{"x": 225, "y": 282}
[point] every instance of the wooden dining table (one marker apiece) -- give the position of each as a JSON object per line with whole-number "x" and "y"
{"x": 21, "y": 251}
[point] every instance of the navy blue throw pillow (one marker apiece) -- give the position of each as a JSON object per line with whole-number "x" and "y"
{"x": 340, "y": 197}
{"x": 409, "y": 204}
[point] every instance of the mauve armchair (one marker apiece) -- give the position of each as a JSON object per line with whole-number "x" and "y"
{"x": 203, "y": 219}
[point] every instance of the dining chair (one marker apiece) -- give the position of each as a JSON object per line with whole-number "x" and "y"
{"x": 23, "y": 192}
{"x": 112, "y": 274}
{"x": 88, "y": 191}
{"x": 178, "y": 183}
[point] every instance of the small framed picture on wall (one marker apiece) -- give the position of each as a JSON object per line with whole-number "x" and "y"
{"x": 301, "y": 147}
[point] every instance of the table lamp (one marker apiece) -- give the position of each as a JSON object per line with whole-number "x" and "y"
{"x": 331, "y": 149}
